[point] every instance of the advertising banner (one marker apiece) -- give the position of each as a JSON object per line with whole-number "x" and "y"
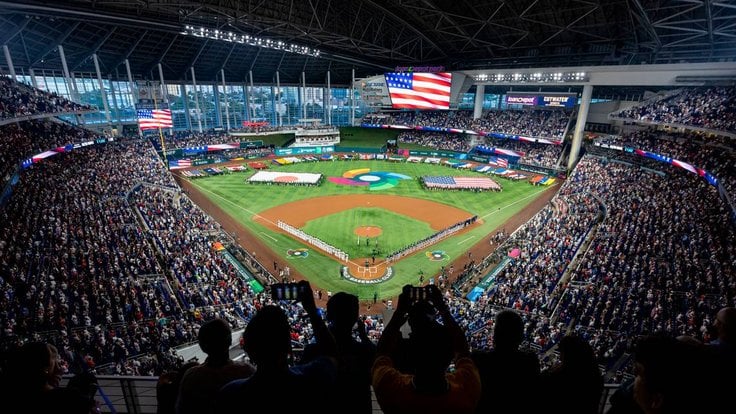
{"x": 542, "y": 100}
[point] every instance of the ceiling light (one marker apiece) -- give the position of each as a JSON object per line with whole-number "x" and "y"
{"x": 216, "y": 34}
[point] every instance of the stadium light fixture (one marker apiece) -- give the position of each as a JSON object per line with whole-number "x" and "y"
{"x": 226, "y": 36}
{"x": 557, "y": 77}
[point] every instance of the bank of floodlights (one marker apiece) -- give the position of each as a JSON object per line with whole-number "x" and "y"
{"x": 536, "y": 77}
{"x": 245, "y": 39}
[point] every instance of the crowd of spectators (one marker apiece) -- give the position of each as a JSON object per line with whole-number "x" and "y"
{"x": 105, "y": 257}
{"x": 715, "y": 155}
{"x": 626, "y": 282}
{"x": 25, "y": 139}
{"x": 542, "y": 155}
{"x": 711, "y": 108}
{"x": 436, "y": 140}
{"x": 536, "y": 123}
{"x": 18, "y": 100}
{"x": 534, "y": 154}
{"x": 530, "y": 283}
{"x": 661, "y": 261}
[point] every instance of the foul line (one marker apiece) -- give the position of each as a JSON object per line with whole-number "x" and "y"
{"x": 515, "y": 202}
{"x": 269, "y": 236}
{"x": 463, "y": 241}
{"x": 255, "y": 215}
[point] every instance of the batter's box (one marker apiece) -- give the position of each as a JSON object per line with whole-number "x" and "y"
{"x": 370, "y": 269}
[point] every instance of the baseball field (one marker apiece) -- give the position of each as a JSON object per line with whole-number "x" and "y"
{"x": 367, "y": 222}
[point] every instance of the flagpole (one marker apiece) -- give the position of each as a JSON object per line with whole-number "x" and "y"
{"x": 160, "y": 133}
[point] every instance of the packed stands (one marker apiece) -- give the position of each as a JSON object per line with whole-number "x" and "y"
{"x": 19, "y": 100}
{"x": 711, "y": 108}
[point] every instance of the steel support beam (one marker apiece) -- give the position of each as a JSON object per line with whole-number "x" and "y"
{"x": 9, "y": 61}
{"x": 196, "y": 99}
{"x": 56, "y": 44}
{"x": 130, "y": 50}
{"x": 103, "y": 94}
{"x": 224, "y": 94}
{"x": 133, "y": 91}
{"x": 95, "y": 48}
{"x": 577, "y": 138}
{"x": 10, "y": 35}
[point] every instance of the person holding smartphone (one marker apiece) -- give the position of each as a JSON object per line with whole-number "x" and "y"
{"x": 276, "y": 387}
{"x": 430, "y": 388}
{"x": 352, "y": 392}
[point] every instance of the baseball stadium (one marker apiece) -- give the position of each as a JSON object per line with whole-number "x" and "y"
{"x": 377, "y": 207}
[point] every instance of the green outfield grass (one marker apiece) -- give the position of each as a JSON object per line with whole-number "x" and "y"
{"x": 243, "y": 201}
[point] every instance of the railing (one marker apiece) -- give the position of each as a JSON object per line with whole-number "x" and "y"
{"x": 45, "y": 115}
{"x": 137, "y": 395}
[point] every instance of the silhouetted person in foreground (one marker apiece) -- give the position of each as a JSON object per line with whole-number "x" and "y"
{"x": 275, "y": 387}
{"x": 723, "y": 351}
{"x": 725, "y": 343}
{"x": 201, "y": 383}
{"x": 352, "y": 392}
{"x": 30, "y": 382}
{"x": 167, "y": 388}
{"x": 575, "y": 384}
{"x": 508, "y": 375}
{"x": 672, "y": 377}
{"x": 431, "y": 389}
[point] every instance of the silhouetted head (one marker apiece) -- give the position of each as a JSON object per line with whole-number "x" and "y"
{"x": 36, "y": 365}
{"x": 421, "y": 314}
{"x": 725, "y": 323}
{"x": 508, "y": 330}
{"x": 576, "y": 352}
{"x": 268, "y": 336}
{"x": 432, "y": 347}
{"x": 342, "y": 311}
{"x": 667, "y": 375}
{"x": 215, "y": 337}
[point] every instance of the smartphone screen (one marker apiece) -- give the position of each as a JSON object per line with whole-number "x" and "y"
{"x": 418, "y": 293}
{"x": 285, "y": 291}
{"x": 291, "y": 291}
{"x": 277, "y": 291}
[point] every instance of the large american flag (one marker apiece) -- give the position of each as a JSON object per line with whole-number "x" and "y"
{"x": 154, "y": 118}
{"x": 460, "y": 182}
{"x": 419, "y": 90}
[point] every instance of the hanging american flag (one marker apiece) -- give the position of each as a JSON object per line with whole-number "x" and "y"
{"x": 502, "y": 162}
{"x": 419, "y": 90}
{"x": 154, "y": 118}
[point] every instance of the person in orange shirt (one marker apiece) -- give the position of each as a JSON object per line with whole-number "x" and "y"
{"x": 431, "y": 388}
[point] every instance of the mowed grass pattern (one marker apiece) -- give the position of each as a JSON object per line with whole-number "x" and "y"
{"x": 243, "y": 201}
{"x": 398, "y": 231}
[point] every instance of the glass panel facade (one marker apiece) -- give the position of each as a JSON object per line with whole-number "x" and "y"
{"x": 340, "y": 106}
{"x": 261, "y": 104}
{"x": 265, "y": 102}
{"x": 313, "y": 101}
{"x": 178, "y": 107}
{"x": 226, "y": 99}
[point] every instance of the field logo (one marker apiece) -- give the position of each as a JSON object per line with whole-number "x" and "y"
{"x": 367, "y": 277}
{"x": 437, "y": 256}
{"x": 376, "y": 180}
{"x": 297, "y": 253}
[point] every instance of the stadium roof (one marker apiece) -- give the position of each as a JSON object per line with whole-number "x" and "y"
{"x": 370, "y": 36}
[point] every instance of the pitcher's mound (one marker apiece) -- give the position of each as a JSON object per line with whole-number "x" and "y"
{"x": 368, "y": 231}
